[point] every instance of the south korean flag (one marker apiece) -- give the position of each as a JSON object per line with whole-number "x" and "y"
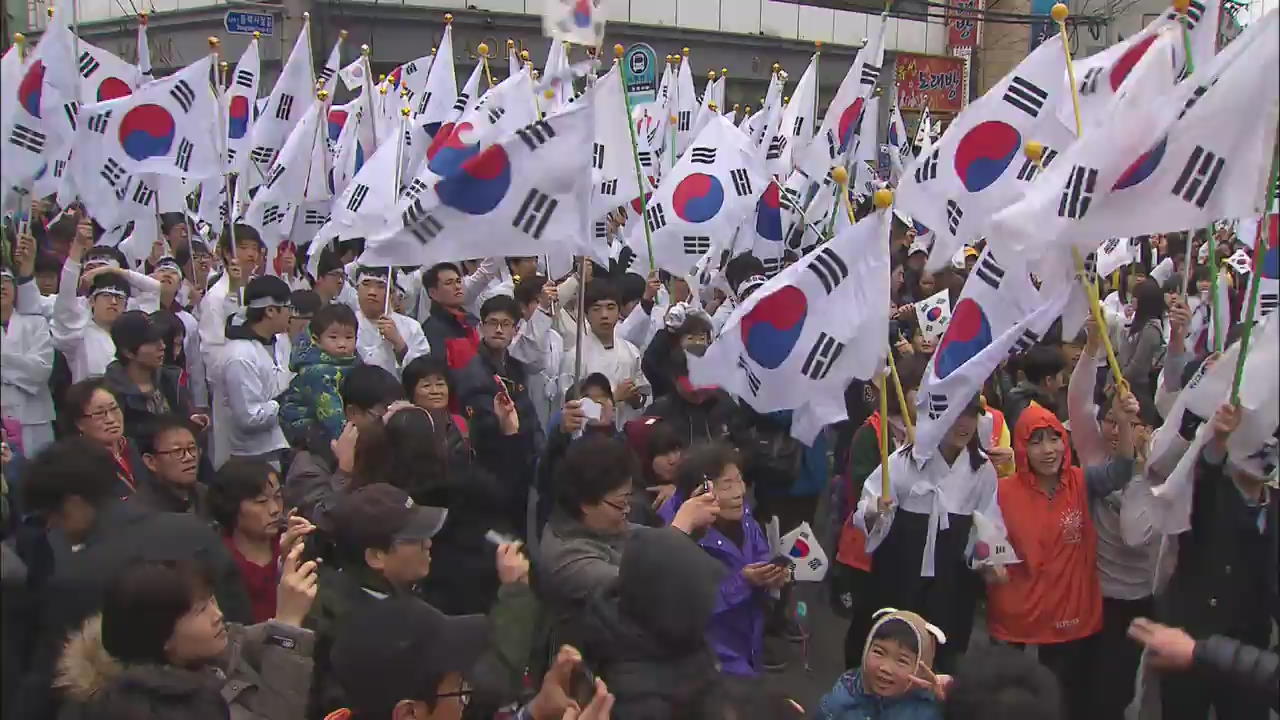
{"x": 978, "y": 165}
{"x": 803, "y": 335}
{"x": 706, "y": 195}
{"x": 933, "y": 315}
{"x": 613, "y": 165}
{"x": 37, "y": 111}
{"x": 103, "y": 76}
{"x": 1000, "y": 311}
{"x": 1267, "y": 266}
{"x": 1171, "y": 156}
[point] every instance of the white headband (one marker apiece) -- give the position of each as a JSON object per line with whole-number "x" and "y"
{"x": 266, "y": 302}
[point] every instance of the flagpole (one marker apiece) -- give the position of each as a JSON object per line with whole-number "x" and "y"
{"x": 618, "y": 50}
{"x": 1263, "y": 231}
{"x": 582, "y": 311}
{"x": 483, "y": 51}
{"x": 306, "y": 24}
{"x": 902, "y": 398}
{"x": 230, "y": 227}
{"x": 1035, "y": 151}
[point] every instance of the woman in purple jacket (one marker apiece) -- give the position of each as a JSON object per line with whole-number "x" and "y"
{"x": 736, "y": 630}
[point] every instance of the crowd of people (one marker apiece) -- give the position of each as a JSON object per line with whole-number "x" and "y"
{"x": 233, "y": 488}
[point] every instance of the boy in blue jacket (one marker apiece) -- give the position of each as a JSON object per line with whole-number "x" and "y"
{"x": 898, "y": 655}
{"x": 312, "y": 404}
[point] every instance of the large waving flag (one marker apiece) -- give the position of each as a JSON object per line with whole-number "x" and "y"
{"x": 37, "y": 112}
{"x": 805, "y": 333}
{"x": 519, "y": 196}
{"x": 289, "y": 99}
{"x": 278, "y": 199}
{"x": 440, "y": 86}
{"x": 239, "y": 99}
{"x": 978, "y": 166}
{"x": 350, "y": 130}
{"x": 684, "y": 105}
{"x": 1000, "y": 311}
{"x": 844, "y": 114}
{"x": 104, "y": 76}
{"x": 613, "y": 165}
{"x": 797, "y": 120}
{"x": 327, "y": 78}
{"x": 575, "y": 21}
{"x": 704, "y": 197}
{"x": 1169, "y": 158}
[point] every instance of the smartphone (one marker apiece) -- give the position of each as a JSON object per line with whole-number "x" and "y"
{"x": 582, "y": 685}
{"x": 781, "y": 561}
{"x": 498, "y": 538}
{"x": 702, "y": 489}
{"x": 590, "y": 408}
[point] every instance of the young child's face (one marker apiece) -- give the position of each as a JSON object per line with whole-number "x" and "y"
{"x": 888, "y": 667}
{"x": 338, "y": 341}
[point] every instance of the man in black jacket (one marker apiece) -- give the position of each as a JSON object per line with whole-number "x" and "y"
{"x": 450, "y": 331}
{"x": 1217, "y": 658}
{"x": 91, "y": 537}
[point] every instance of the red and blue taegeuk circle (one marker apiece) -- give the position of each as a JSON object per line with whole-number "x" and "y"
{"x": 146, "y": 131}
{"x": 967, "y": 334}
{"x": 933, "y": 314}
{"x": 772, "y": 328}
{"x": 1141, "y": 168}
{"x": 1271, "y": 257}
{"x": 450, "y": 148}
{"x": 479, "y": 184}
{"x": 112, "y": 88}
{"x": 800, "y": 549}
{"x": 848, "y": 124}
{"x": 31, "y": 87}
{"x": 337, "y": 120}
{"x": 985, "y": 152}
{"x": 893, "y": 135}
{"x": 769, "y": 214}
{"x": 1123, "y": 66}
{"x": 238, "y": 117}
{"x": 582, "y": 13}
{"x": 698, "y": 197}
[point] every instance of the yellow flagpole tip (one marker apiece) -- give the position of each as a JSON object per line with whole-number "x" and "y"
{"x": 672, "y": 118}
{"x": 364, "y": 50}
{"x": 735, "y": 107}
{"x": 840, "y": 175}
{"x": 548, "y": 93}
{"x": 746, "y": 110}
{"x": 511, "y": 44}
{"x": 322, "y": 95}
{"x": 142, "y": 18}
{"x": 724, "y": 71}
{"x": 1059, "y": 12}
{"x": 882, "y": 198}
{"x": 777, "y": 67}
{"x": 879, "y": 92}
{"x": 1033, "y": 150}
{"x": 19, "y": 38}
{"x": 524, "y": 55}
{"x": 448, "y": 18}
{"x": 711, "y": 74}
{"x": 483, "y": 48}
{"x": 1182, "y": 6}
{"x": 257, "y": 35}
{"x": 433, "y": 50}
{"x": 685, "y": 51}
{"x": 49, "y": 11}
{"x": 382, "y": 90}
{"x": 712, "y": 106}
{"x": 404, "y": 112}
{"x": 786, "y": 99}
{"x": 224, "y": 65}
{"x": 342, "y": 34}
{"x": 213, "y": 43}
{"x": 618, "y": 50}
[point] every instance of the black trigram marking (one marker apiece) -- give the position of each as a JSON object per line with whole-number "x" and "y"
{"x": 420, "y": 223}
{"x": 244, "y": 78}
{"x": 1089, "y": 83}
{"x": 646, "y": 158}
{"x": 655, "y": 217}
{"x": 272, "y": 215}
{"x": 777, "y": 146}
{"x": 88, "y": 64}
{"x": 753, "y": 382}
{"x": 928, "y": 169}
{"x": 696, "y": 244}
{"x": 413, "y": 190}
{"x": 231, "y": 154}
{"x": 989, "y": 270}
{"x": 870, "y": 74}
{"x": 534, "y": 213}
{"x": 59, "y": 167}
{"x": 703, "y": 155}
{"x": 423, "y": 100}
{"x": 609, "y": 187}
{"x": 1267, "y": 301}
{"x": 1189, "y": 425}
{"x": 741, "y": 181}
{"x": 112, "y": 172}
{"x": 262, "y": 155}
{"x": 275, "y": 174}
{"x": 142, "y": 194}
{"x": 537, "y": 134}
{"x": 597, "y": 156}
{"x": 70, "y": 109}
{"x": 461, "y": 103}
{"x": 683, "y": 119}
{"x": 183, "y": 157}
{"x": 833, "y": 147}
{"x": 830, "y": 268}
{"x": 954, "y": 216}
{"x": 937, "y": 406}
{"x": 496, "y": 113}
{"x": 1110, "y": 246}
{"x": 822, "y": 356}
{"x": 772, "y": 266}
{"x": 795, "y": 131}
{"x": 183, "y": 94}
{"x": 789, "y": 199}
{"x": 284, "y": 109}
{"x": 98, "y": 122}
{"x": 814, "y": 563}
{"x": 1195, "y": 98}
{"x": 1030, "y": 169}
{"x": 358, "y": 195}
{"x": 600, "y": 231}
{"x": 1199, "y": 177}
{"x": 1078, "y": 193}
{"x": 323, "y": 76}
{"x": 1026, "y": 96}
{"x": 1024, "y": 342}
{"x": 315, "y": 218}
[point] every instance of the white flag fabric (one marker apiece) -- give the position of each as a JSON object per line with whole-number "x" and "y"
{"x": 613, "y": 164}
{"x": 435, "y": 101}
{"x": 1184, "y": 155}
{"x": 350, "y": 130}
{"x": 924, "y": 133}
{"x": 933, "y": 314}
{"x": 518, "y": 196}
{"x": 706, "y": 195}
{"x": 899, "y": 143}
{"x": 684, "y": 105}
{"x": 289, "y": 99}
{"x": 104, "y": 76}
{"x": 354, "y": 74}
{"x": 1114, "y": 253}
{"x": 239, "y": 99}
{"x": 144, "y": 50}
{"x": 556, "y": 70}
{"x": 368, "y": 203}
{"x": 273, "y": 207}
{"x": 978, "y": 165}
{"x": 797, "y": 119}
{"x": 804, "y": 334}
{"x": 575, "y": 21}
{"x": 37, "y": 111}
{"x": 327, "y": 77}
{"x": 999, "y": 312}
{"x": 844, "y": 114}
{"x": 808, "y": 559}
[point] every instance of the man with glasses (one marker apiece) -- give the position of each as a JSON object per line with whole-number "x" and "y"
{"x": 170, "y": 452}
{"x": 253, "y": 371}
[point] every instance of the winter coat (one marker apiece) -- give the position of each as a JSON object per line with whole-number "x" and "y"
{"x": 451, "y": 335}
{"x": 313, "y": 400}
{"x": 716, "y": 418}
{"x": 575, "y": 562}
{"x": 850, "y": 700}
{"x": 475, "y": 388}
{"x": 736, "y": 629}
{"x": 264, "y": 674}
{"x": 313, "y": 485}
{"x": 1230, "y": 660}
{"x": 133, "y": 403}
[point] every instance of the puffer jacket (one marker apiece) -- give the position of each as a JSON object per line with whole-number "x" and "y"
{"x": 264, "y": 674}
{"x": 850, "y": 700}
{"x": 312, "y": 400}
{"x": 1241, "y": 664}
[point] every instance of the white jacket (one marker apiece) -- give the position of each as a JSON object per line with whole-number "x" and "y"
{"x": 376, "y": 350}
{"x": 245, "y": 412}
{"x": 26, "y": 360}
{"x": 88, "y": 346}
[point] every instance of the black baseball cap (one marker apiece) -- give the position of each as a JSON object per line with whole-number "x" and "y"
{"x": 401, "y": 648}
{"x": 377, "y": 515}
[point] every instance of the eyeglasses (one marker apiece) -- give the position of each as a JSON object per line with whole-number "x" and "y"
{"x": 622, "y": 506}
{"x": 499, "y": 324}
{"x": 104, "y": 413}
{"x": 464, "y": 696}
{"x": 186, "y": 451}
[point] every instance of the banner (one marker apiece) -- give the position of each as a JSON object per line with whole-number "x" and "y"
{"x": 932, "y": 81}
{"x": 962, "y": 24}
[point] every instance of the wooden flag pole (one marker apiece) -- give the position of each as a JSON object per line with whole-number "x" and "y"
{"x": 635, "y": 155}
{"x": 1035, "y": 151}
{"x": 902, "y": 399}
{"x": 1260, "y": 236}
{"x": 882, "y": 199}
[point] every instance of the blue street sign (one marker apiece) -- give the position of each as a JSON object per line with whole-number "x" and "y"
{"x": 640, "y": 74}
{"x": 239, "y": 22}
